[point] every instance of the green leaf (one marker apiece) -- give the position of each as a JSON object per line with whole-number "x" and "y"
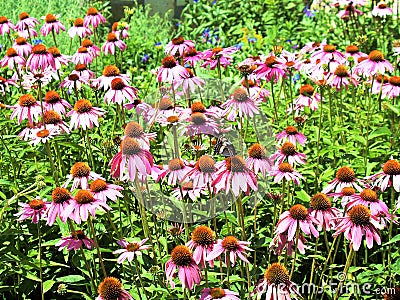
{"x": 71, "y": 278}
{"x": 394, "y": 239}
{"x": 47, "y": 285}
{"x": 302, "y": 195}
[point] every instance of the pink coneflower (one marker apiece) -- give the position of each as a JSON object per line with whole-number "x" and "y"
{"x": 102, "y": 190}
{"x": 60, "y": 59}
{"x": 61, "y": 198}
{"x": 80, "y": 174}
{"x": 297, "y": 216}
{"x": 5, "y": 83}
{"x": 212, "y": 111}
{"x": 120, "y": 29}
{"x": 345, "y": 194}
{"x": 281, "y": 242}
{"x": 5, "y": 25}
{"x": 176, "y": 230}
{"x": 111, "y": 288}
{"x": 358, "y": 222}
{"x": 258, "y": 160}
{"x": 52, "y": 118}
{"x": 74, "y": 81}
{"x": 40, "y": 58}
{"x": 43, "y": 135}
{"x": 255, "y": 90}
{"x": 22, "y": 47}
{"x": 288, "y": 152}
{"x": 240, "y": 104}
{"x": 190, "y": 83}
{"x": 272, "y": 68}
{"x": 353, "y": 51}
{"x": 321, "y": 209}
{"x": 292, "y": 135}
{"x": 311, "y": 47}
{"x": 26, "y": 108}
{"x": 328, "y": 53}
{"x": 392, "y": 88}
{"x": 32, "y": 79}
{"x": 130, "y": 250}
{"x": 134, "y": 130}
{"x": 54, "y": 102}
{"x": 93, "y": 17}
{"x": 204, "y": 171}
{"x": 25, "y": 21}
{"x": 83, "y": 204}
{"x": 35, "y": 209}
{"x": 178, "y": 44}
{"x": 186, "y": 190}
{"x": 130, "y": 160}
{"x": 232, "y": 248}
{"x": 375, "y": 63}
{"x": 12, "y": 59}
{"x": 218, "y": 55}
{"x": 233, "y": 174}
{"x": 191, "y": 56}
{"x": 286, "y": 171}
{"x": 381, "y": 10}
{"x": 276, "y": 284}
{"x": 308, "y": 98}
{"x": 218, "y": 293}
{"x": 203, "y": 243}
{"x": 176, "y": 171}
{"x": 170, "y": 70}
{"x": 110, "y": 72}
{"x": 188, "y": 271}
{"x": 93, "y": 49}
{"x": 79, "y": 30}
{"x": 345, "y": 176}
{"x": 83, "y": 72}
{"x": 200, "y": 124}
{"x": 349, "y": 11}
{"x": 111, "y": 43}
{"x": 84, "y": 115}
{"x": 75, "y": 241}
{"x": 389, "y": 176}
{"x": 120, "y": 92}
{"x": 370, "y": 200}
{"x": 341, "y": 77}
{"x": 51, "y": 24}
{"x": 82, "y": 56}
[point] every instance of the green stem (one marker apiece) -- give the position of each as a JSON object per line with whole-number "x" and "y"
{"x": 40, "y": 259}
{"x": 88, "y": 269}
{"x": 295, "y": 250}
{"x": 344, "y": 275}
{"x": 96, "y": 244}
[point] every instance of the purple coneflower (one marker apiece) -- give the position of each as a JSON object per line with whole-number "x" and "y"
{"x": 218, "y": 293}
{"x": 40, "y": 58}
{"x": 345, "y": 176}
{"x": 370, "y": 200}
{"x": 170, "y": 70}
{"x": 281, "y": 241}
{"x": 25, "y": 21}
{"x": 93, "y": 17}
{"x": 130, "y": 250}
{"x": 54, "y": 102}
{"x": 240, "y": 104}
{"x": 83, "y": 72}
{"x": 5, "y": 25}
{"x": 75, "y": 241}
{"x": 327, "y": 54}
{"x": 120, "y": 92}
{"x": 200, "y": 124}
{"x": 51, "y": 24}
{"x": 272, "y": 68}
{"x": 111, "y": 288}
{"x": 176, "y": 171}
{"x": 74, "y": 81}
{"x": 203, "y": 243}
{"x": 232, "y": 248}
{"x": 374, "y": 64}
{"x": 60, "y": 59}
{"x": 83, "y": 56}
{"x": 191, "y": 56}
{"x": 54, "y": 119}
{"x": 134, "y": 130}
{"x": 321, "y": 209}
{"x": 26, "y": 108}
{"x": 286, "y": 171}
{"x": 258, "y": 160}
{"x": 341, "y": 77}
{"x": 353, "y": 51}
{"x": 84, "y": 115}
{"x": 178, "y": 44}
{"x": 389, "y": 176}
{"x": 349, "y": 11}
{"x": 204, "y": 171}
{"x": 292, "y": 135}
{"x": 391, "y": 89}
{"x": 190, "y": 83}
{"x": 35, "y": 209}
{"x": 61, "y": 198}
{"x": 188, "y": 271}
{"x": 307, "y": 98}
{"x": 12, "y": 59}
{"x": 381, "y": 10}
{"x": 79, "y": 30}
{"x": 120, "y": 29}
{"x": 80, "y": 175}
{"x": 110, "y": 72}
{"x": 42, "y": 135}
{"x": 102, "y": 190}
{"x": 111, "y": 43}
{"x": 345, "y": 194}
{"x": 22, "y": 47}
{"x": 218, "y": 55}
{"x": 288, "y": 152}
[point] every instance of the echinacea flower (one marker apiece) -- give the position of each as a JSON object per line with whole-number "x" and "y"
{"x": 345, "y": 194}
{"x": 349, "y": 11}
{"x": 40, "y": 58}
{"x": 190, "y": 83}
{"x": 345, "y": 176}
{"x": 308, "y": 98}
{"x": 79, "y": 30}
{"x": 258, "y": 160}
{"x": 391, "y": 89}
{"x": 170, "y": 70}
{"x": 111, "y": 289}
{"x": 381, "y": 10}
{"x": 134, "y": 130}
{"x": 54, "y": 102}
{"x": 292, "y": 135}
{"x": 281, "y": 242}
{"x": 321, "y": 209}
{"x": 51, "y": 24}
{"x": 83, "y": 205}
{"x": 80, "y": 175}
{"x": 328, "y": 53}
{"x": 256, "y": 92}
{"x": 111, "y": 43}
{"x": 5, "y": 25}
{"x": 240, "y": 104}
{"x": 83, "y": 72}
{"x": 120, "y": 92}
{"x": 32, "y": 78}
{"x": 82, "y": 56}
{"x": 110, "y": 72}
{"x": 191, "y": 56}
{"x": 353, "y": 51}
{"x": 93, "y": 49}
{"x": 288, "y": 152}
{"x": 12, "y": 59}
{"x": 232, "y": 248}
{"x": 218, "y": 56}
{"x": 43, "y": 135}
{"x": 296, "y": 218}
{"x": 84, "y": 115}
{"x": 60, "y": 59}
{"x": 103, "y": 190}
{"x": 25, "y": 22}
{"x": 358, "y": 222}
{"x": 130, "y": 250}
{"x": 35, "y": 209}
{"x": 75, "y": 241}
{"x": 74, "y": 82}
{"x": 233, "y": 174}
{"x": 373, "y": 65}
{"x": 200, "y": 124}
{"x": 176, "y": 229}
{"x": 26, "y": 108}
{"x": 5, "y": 83}
{"x": 271, "y": 69}
{"x": 341, "y": 77}
{"x": 120, "y": 29}
{"x": 61, "y": 198}
{"x": 93, "y": 17}
{"x": 286, "y": 171}
{"x": 188, "y": 271}
{"x": 276, "y": 284}
{"x": 218, "y": 293}
{"x": 54, "y": 119}
{"x": 204, "y": 171}
{"x": 389, "y": 176}
{"x": 176, "y": 171}
{"x": 22, "y": 47}
{"x": 370, "y": 200}
{"x": 131, "y": 160}
{"x": 203, "y": 243}
{"x": 178, "y": 44}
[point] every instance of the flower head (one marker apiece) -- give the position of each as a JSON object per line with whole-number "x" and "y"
{"x": 130, "y": 250}
{"x": 321, "y": 209}
{"x": 218, "y": 293}
{"x": 75, "y": 241}
{"x": 178, "y": 44}
{"x": 232, "y": 248}
{"x": 203, "y": 243}
{"x": 93, "y": 17}
{"x": 111, "y": 289}
{"x": 84, "y": 115}
{"x": 51, "y": 24}
{"x": 35, "y": 209}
